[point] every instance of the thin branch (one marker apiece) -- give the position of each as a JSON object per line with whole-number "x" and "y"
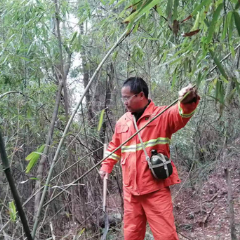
{"x": 4, "y": 94}
{"x": 184, "y": 235}
{"x": 229, "y": 54}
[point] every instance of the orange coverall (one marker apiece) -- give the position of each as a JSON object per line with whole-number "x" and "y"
{"x": 146, "y": 198}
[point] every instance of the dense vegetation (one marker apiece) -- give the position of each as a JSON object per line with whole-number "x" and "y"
{"x": 49, "y": 53}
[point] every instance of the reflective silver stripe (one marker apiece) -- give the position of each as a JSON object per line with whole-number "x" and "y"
{"x": 113, "y": 156}
{"x": 184, "y": 115}
{"x": 150, "y": 143}
{"x": 161, "y": 164}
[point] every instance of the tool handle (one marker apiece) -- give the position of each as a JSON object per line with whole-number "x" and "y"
{"x": 105, "y": 192}
{"x": 105, "y": 182}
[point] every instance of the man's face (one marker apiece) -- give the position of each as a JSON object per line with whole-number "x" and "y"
{"x": 131, "y": 101}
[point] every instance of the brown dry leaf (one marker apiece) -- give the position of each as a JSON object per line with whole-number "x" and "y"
{"x": 189, "y": 34}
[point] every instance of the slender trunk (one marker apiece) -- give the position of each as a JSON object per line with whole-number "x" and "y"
{"x": 7, "y": 170}
{"x": 43, "y": 159}
{"x": 86, "y": 78}
{"x": 66, "y": 100}
{"x": 228, "y": 132}
{"x": 230, "y": 205}
{"x": 61, "y": 84}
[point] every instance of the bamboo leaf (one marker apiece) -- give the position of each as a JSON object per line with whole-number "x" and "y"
{"x": 237, "y": 5}
{"x": 212, "y": 26}
{"x": 101, "y": 120}
{"x": 230, "y": 96}
{"x": 114, "y": 56}
{"x": 103, "y": 2}
{"x": 218, "y": 63}
{"x": 213, "y": 23}
{"x": 12, "y": 211}
{"x": 237, "y": 84}
{"x": 196, "y": 23}
{"x": 175, "y": 9}
{"x": 226, "y": 24}
{"x": 169, "y": 8}
{"x": 119, "y": 3}
{"x": 174, "y": 78}
{"x": 230, "y": 29}
{"x": 204, "y": 3}
{"x": 144, "y": 9}
{"x": 237, "y": 21}
{"x": 159, "y": 10}
{"x": 73, "y": 37}
{"x": 199, "y": 79}
{"x": 136, "y": 27}
{"x": 33, "y": 158}
{"x": 81, "y": 232}
{"x": 217, "y": 90}
{"x": 131, "y": 17}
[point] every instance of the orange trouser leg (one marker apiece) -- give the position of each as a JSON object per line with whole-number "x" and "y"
{"x": 134, "y": 218}
{"x": 159, "y": 212}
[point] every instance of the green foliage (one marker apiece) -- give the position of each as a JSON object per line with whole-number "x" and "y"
{"x": 199, "y": 6}
{"x": 237, "y": 21}
{"x": 33, "y": 158}
{"x": 212, "y": 27}
{"x": 155, "y": 49}
{"x": 12, "y": 211}
{"x": 218, "y": 63}
{"x": 101, "y": 119}
{"x": 81, "y": 232}
{"x": 142, "y": 7}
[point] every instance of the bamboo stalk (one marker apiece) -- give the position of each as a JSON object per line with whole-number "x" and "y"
{"x": 66, "y": 130}
{"x": 15, "y": 194}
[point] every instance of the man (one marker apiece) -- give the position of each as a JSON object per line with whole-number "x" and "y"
{"x": 145, "y": 197}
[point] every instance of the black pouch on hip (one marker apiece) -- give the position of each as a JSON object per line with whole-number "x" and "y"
{"x": 160, "y": 165}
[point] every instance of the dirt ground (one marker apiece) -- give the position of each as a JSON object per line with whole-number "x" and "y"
{"x": 203, "y": 214}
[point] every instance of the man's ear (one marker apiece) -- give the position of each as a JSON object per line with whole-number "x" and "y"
{"x": 142, "y": 95}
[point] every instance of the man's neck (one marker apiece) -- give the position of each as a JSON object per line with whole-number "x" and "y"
{"x": 140, "y": 112}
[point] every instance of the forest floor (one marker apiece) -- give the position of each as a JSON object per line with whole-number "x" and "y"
{"x": 202, "y": 212}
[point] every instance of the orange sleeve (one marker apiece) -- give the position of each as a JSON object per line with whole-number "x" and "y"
{"x": 107, "y": 164}
{"x": 180, "y": 114}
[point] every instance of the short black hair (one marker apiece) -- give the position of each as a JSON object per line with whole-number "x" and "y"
{"x": 137, "y": 85}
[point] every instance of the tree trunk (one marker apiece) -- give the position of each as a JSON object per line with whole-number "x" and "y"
{"x": 46, "y": 149}
{"x": 61, "y": 77}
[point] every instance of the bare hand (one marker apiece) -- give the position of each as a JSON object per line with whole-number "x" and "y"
{"x": 187, "y": 94}
{"x": 102, "y": 174}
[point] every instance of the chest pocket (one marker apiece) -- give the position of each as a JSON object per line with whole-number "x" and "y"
{"x": 122, "y": 128}
{"x": 123, "y": 131}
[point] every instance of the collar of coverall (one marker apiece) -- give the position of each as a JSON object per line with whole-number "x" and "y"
{"x": 139, "y": 113}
